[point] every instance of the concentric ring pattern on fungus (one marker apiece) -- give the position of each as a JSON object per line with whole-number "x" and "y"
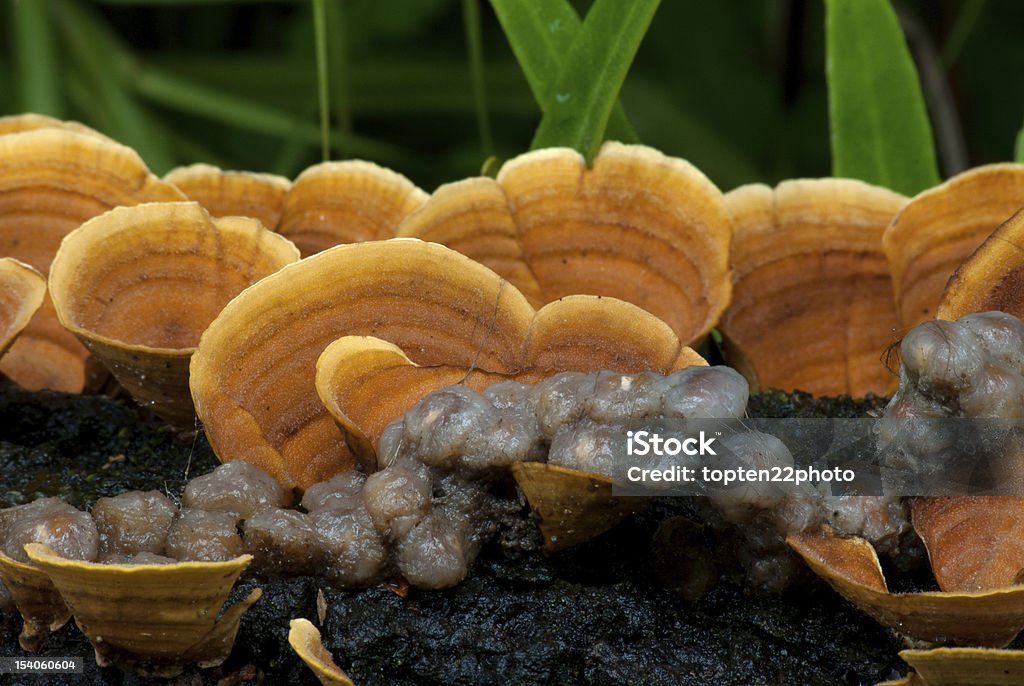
{"x": 638, "y": 225}
{"x": 253, "y": 375}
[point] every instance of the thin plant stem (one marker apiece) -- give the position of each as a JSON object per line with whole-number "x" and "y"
{"x": 475, "y": 48}
{"x": 323, "y": 89}
{"x": 338, "y": 69}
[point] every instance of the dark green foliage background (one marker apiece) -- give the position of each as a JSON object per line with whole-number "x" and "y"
{"x": 736, "y": 86}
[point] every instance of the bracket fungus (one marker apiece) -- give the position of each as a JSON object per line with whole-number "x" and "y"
{"x": 253, "y": 377}
{"x": 940, "y": 228}
{"x": 638, "y": 226}
{"x": 138, "y": 285}
{"x": 304, "y": 638}
{"x": 962, "y": 667}
{"x": 22, "y": 291}
{"x": 40, "y": 604}
{"x": 346, "y": 202}
{"x": 990, "y": 617}
{"x": 812, "y": 305}
{"x": 53, "y": 178}
{"x": 233, "y": 193}
{"x": 992, "y": 278}
{"x": 366, "y": 382}
{"x": 155, "y": 618}
{"x": 29, "y": 121}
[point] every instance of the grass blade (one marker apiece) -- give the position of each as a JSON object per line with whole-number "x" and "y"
{"x": 592, "y": 74}
{"x": 879, "y": 124}
{"x": 99, "y": 59}
{"x": 541, "y": 33}
{"x": 322, "y": 89}
{"x": 340, "y": 84}
{"x": 35, "y": 58}
{"x": 475, "y": 48}
{"x": 184, "y": 95}
{"x": 1020, "y": 146}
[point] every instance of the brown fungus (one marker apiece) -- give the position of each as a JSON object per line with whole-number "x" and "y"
{"x": 940, "y": 228}
{"x": 992, "y": 278}
{"x": 304, "y": 639}
{"x": 22, "y": 291}
{"x": 638, "y": 226}
{"x": 233, "y": 193}
{"x": 153, "y": 618}
{"x": 138, "y": 285}
{"x": 346, "y": 202}
{"x": 53, "y": 178}
{"x": 812, "y": 304}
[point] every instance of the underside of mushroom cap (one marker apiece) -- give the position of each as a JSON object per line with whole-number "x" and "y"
{"x": 22, "y": 291}
{"x": 850, "y": 565}
{"x": 638, "y": 226}
{"x": 253, "y": 375}
{"x": 53, "y": 178}
{"x": 138, "y": 285}
{"x": 233, "y": 193}
{"x": 992, "y": 278}
{"x": 812, "y": 305}
{"x": 154, "y": 618}
{"x": 366, "y": 383}
{"x": 346, "y": 202}
{"x": 941, "y": 227}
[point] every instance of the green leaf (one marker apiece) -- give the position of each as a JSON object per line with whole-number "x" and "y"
{"x": 322, "y": 89}
{"x": 592, "y": 74}
{"x": 540, "y": 33}
{"x": 1020, "y": 146}
{"x": 35, "y": 58}
{"x": 475, "y": 53}
{"x": 98, "y": 59}
{"x": 880, "y": 128}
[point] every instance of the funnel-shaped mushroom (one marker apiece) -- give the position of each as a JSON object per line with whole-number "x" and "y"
{"x": 41, "y": 607}
{"x": 989, "y": 617}
{"x": 941, "y": 227}
{"x": 22, "y": 291}
{"x": 138, "y": 285}
{"x": 962, "y": 667}
{"x": 154, "y": 618}
{"x": 812, "y": 305}
{"x": 253, "y": 377}
{"x": 346, "y": 202}
{"x": 53, "y": 178}
{"x": 233, "y": 193}
{"x": 992, "y": 278}
{"x": 638, "y": 226}
{"x": 365, "y": 382}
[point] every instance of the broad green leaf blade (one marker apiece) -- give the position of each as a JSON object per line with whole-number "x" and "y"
{"x": 592, "y": 74}
{"x": 880, "y": 128}
{"x": 1020, "y": 146}
{"x": 541, "y": 33}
